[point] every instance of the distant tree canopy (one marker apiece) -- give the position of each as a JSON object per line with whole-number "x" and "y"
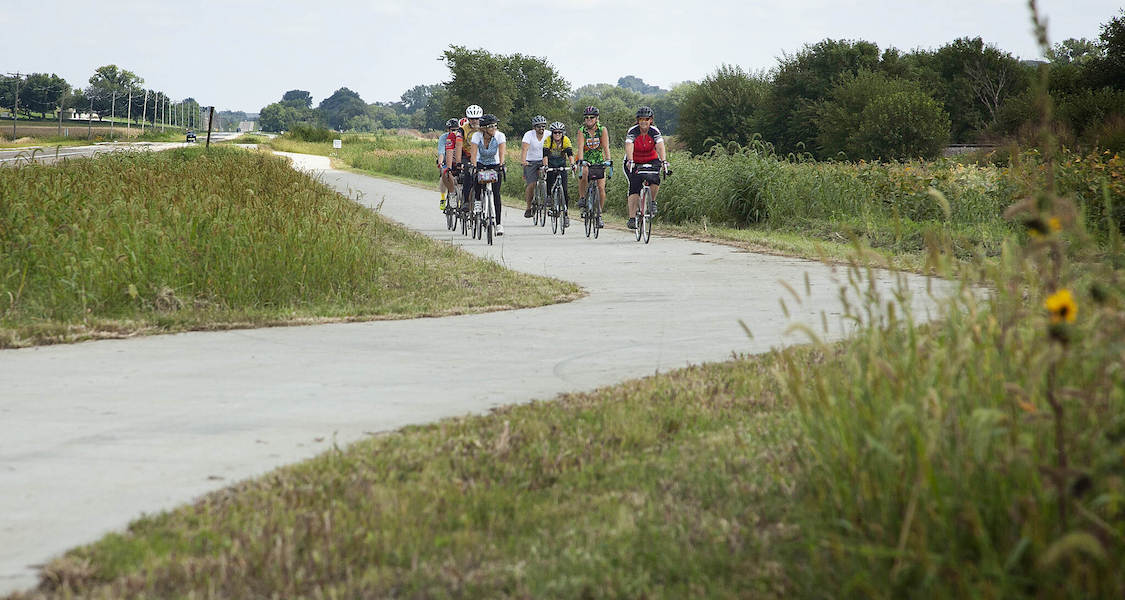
{"x": 832, "y": 99}
{"x": 513, "y": 87}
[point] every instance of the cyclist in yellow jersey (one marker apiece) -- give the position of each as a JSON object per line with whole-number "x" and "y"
{"x": 593, "y": 147}
{"x": 557, "y": 152}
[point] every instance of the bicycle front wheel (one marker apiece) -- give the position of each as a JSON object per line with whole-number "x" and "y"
{"x": 597, "y": 217}
{"x": 648, "y": 228}
{"x": 489, "y": 219}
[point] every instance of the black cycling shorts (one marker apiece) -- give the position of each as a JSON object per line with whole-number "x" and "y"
{"x": 636, "y": 180}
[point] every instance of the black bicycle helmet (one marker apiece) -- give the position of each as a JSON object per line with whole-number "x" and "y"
{"x": 452, "y": 123}
{"x": 488, "y": 119}
{"x": 591, "y": 111}
{"x": 644, "y": 112}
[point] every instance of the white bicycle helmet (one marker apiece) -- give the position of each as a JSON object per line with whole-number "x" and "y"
{"x": 474, "y": 111}
{"x": 538, "y": 120}
{"x": 558, "y": 126}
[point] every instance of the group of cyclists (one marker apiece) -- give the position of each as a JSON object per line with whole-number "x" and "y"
{"x": 475, "y": 143}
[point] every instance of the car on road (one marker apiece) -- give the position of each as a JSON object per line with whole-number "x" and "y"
{"x": 190, "y": 135}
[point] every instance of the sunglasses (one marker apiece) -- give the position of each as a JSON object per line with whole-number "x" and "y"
{"x": 590, "y": 118}
{"x": 540, "y": 126}
{"x": 647, "y": 119}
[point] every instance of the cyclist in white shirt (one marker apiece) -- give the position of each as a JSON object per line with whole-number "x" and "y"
{"x": 531, "y": 157}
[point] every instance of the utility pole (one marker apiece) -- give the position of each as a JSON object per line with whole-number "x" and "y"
{"x": 144, "y": 113}
{"x": 210, "y": 120}
{"x": 16, "y": 109}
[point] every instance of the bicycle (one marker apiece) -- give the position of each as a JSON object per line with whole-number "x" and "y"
{"x": 592, "y": 212}
{"x": 539, "y": 201}
{"x": 557, "y": 202}
{"x": 462, "y": 216}
{"x": 646, "y": 205}
{"x": 484, "y": 222}
{"x": 452, "y": 206}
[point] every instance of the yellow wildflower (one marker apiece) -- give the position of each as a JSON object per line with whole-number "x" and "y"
{"x": 1054, "y": 224}
{"x": 1062, "y": 307}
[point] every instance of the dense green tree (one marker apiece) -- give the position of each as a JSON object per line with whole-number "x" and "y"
{"x": 43, "y": 93}
{"x": 539, "y": 89}
{"x": 477, "y": 77}
{"x": 800, "y": 80}
{"x": 110, "y": 89}
{"x": 297, "y": 99}
{"x": 1108, "y": 69}
{"x": 843, "y": 115}
{"x": 901, "y": 126}
{"x": 387, "y": 115}
{"x": 513, "y": 87}
{"x": 418, "y": 97}
{"x": 434, "y": 115}
{"x": 293, "y": 109}
{"x": 339, "y": 108}
{"x": 722, "y": 108}
{"x": 972, "y": 80}
{"x": 618, "y": 108}
{"x": 631, "y": 82}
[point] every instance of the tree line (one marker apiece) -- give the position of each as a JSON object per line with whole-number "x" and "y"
{"x": 111, "y": 92}
{"x": 836, "y": 99}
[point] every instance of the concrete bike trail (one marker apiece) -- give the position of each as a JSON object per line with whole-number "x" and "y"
{"x": 93, "y": 435}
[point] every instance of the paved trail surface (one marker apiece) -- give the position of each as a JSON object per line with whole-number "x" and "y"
{"x": 92, "y": 435}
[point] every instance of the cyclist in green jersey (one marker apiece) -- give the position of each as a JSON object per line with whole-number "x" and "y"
{"x": 593, "y": 147}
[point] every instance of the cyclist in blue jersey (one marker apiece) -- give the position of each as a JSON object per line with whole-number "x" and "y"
{"x": 489, "y": 146}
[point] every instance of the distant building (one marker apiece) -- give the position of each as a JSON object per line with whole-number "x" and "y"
{"x": 246, "y": 125}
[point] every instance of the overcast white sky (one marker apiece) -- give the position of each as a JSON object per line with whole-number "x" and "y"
{"x": 244, "y": 54}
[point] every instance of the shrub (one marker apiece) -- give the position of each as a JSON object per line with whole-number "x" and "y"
{"x": 311, "y": 133}
{"x": 901, "y": 126}
{"x": 722, "y": 109}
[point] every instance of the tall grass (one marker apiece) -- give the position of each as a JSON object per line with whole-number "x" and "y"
{"x": 889, "y": 205}
{"x": 983, "y": 456}
{"x": 185, "y": 238}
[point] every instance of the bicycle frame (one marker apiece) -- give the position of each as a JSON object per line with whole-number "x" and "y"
{"x": 558, "y": 200}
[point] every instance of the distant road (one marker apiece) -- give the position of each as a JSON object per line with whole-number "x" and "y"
{"x": 48, "y": 154}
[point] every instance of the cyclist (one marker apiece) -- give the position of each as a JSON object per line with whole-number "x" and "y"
{"x": 450, "y": 165}
{"x": 468, "y": 128}
{"x": 593, "y": 147}
{"x": 643, "y": 144}
{"x": 441, "y": 168}
{"x": 557, "y": 152}
{"x": 489, "y": 146}
{"x": 531, "y": 157}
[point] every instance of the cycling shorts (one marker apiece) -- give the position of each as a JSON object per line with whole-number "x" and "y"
{"x": 651, "y": 174}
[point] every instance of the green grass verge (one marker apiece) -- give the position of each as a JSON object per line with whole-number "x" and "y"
{"x": 153, "y": 242}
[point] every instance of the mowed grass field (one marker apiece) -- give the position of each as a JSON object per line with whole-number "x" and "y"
{"x": 136, "y": 243}
{"x": 79, "y": 132}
